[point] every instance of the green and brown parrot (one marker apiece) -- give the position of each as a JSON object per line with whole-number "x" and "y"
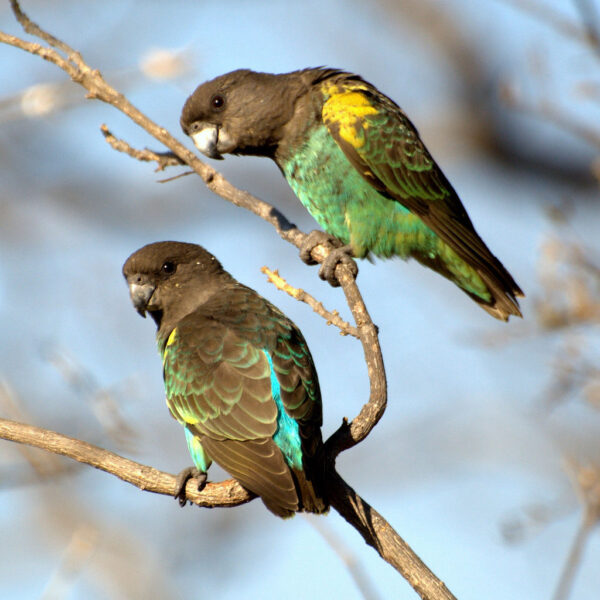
{"x": 238, "y": 375}
{"x": 358, "y": 165}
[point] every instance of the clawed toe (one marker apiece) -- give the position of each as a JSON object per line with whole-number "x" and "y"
{"x": 181, "y": 482}
{"x": 341, "y": 255}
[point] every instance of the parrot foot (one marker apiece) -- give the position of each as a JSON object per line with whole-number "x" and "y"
{"x": 181, "y": 482}
{"x": 335, "y": 257}
{"x": 314, "y": 239}
{"x": 338, "y": 254}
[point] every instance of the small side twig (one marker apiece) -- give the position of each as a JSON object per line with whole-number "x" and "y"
{"x": 163, "y": 159}
{"x": 332, "y": 317}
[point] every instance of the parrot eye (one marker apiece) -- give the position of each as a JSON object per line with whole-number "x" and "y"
{"x": 168, "y": 267}
{"x": 217, "y": 102}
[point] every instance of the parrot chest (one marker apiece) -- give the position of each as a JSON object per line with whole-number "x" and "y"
{"x": 324, "y": 181}
{"x": 343, "y": 202}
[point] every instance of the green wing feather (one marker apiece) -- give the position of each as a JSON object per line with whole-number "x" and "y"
{"x": 385, "y": 148}
{"x": 218, "y": 382}
{"x": 264, "y": 327}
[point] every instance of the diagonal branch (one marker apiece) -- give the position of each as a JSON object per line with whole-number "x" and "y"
{"x": 376, "y": 531}
{"x": 92, "y": 80}
{"x": 372, "y": 527}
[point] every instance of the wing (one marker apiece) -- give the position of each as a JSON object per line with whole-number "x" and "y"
{"x": 219, "y": 387}
{"x": 217, "y": 382}
{"x": 259, "y": 466}
{"x": 294, "y": 381}
{"x": 385, "y": 148}
{"x": 299, "y": 388}
{"x": 265, "y": 327}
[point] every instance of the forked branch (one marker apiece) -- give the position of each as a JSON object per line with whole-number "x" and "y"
{"x": 373, "y": 528}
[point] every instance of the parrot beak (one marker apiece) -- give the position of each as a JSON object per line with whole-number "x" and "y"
{"x": 140, "y": 296}
{"x": 206, "y": 139}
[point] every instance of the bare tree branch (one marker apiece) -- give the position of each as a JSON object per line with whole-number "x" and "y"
{"x": 98, "y": 88}
{"x": 373, "y": 528}
{"x": 226, "y": 493}
{"x": 376, "y": 531}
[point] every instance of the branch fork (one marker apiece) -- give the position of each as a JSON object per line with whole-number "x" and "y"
{"x": 367, "y": 521}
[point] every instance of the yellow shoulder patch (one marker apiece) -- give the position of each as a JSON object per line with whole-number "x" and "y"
{"x": 171, "y": 337}
{"x": 348, "y": 109}
{"x": 170, "y": 341}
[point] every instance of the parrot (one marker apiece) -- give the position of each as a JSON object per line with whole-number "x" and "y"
{"x": 238, "y": 376}
{"x": 356, "y": 162}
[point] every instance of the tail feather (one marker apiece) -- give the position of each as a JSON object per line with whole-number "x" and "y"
{"x": 504, "y": 298}
{"x": 259, "y": 466}
{"x": 500, "y": 285}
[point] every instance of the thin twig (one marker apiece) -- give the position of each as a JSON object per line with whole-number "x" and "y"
{"x": 35, "y": 30}
{"x": 164, "y": 159}
{"x": 332, "y": 317}
{"x": 569, "y": 570}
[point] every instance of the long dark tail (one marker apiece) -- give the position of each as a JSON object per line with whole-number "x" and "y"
{"x": 502, "y": 289}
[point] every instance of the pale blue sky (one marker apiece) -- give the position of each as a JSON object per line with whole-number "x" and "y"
{"x": 462, "y": 446}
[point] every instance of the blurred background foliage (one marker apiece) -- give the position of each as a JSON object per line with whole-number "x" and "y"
{"x": 488, "y": 458}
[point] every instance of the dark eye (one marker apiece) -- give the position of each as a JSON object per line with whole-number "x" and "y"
{"x": 168, "y": 267}
{"x": 217, "y": 101}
